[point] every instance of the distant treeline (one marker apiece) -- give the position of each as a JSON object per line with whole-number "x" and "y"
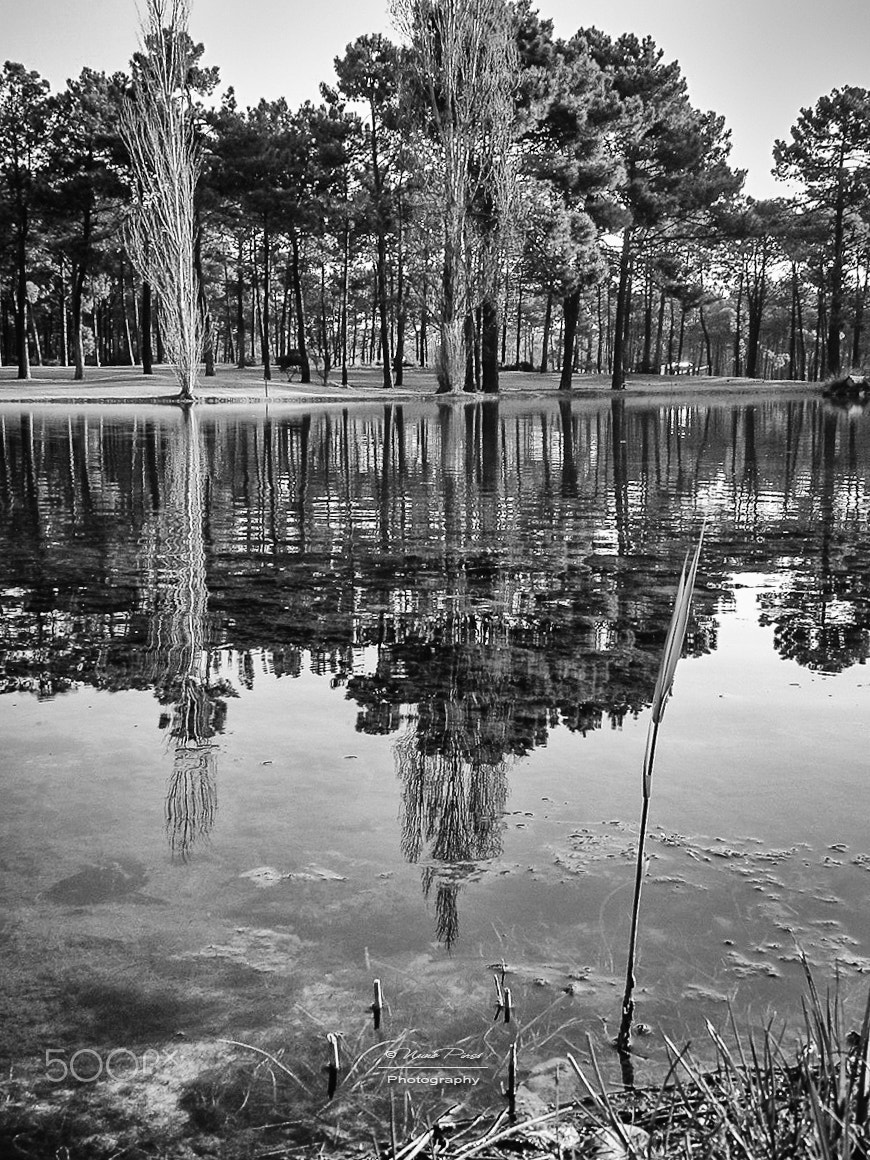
{"x": 606, "y": 229}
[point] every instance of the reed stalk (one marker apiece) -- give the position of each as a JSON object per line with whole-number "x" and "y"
{"x": 512, "y": 1084}
{"x": 333, "y": 1065}
{"x": 673, "y": 647}
{"x": 378, "y": 1004}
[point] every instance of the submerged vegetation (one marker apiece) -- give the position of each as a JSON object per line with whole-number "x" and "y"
{"x": 774, "y": 1093}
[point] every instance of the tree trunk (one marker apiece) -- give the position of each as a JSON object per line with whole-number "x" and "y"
{"x": 324, "y": 336}
{"x": 548, "y": 323}
{"x": 21, "y": 305}
{"x": 682, "y": 333}
{"x": 451, "y": 355}
{"x": 519, "y": 324}
{"x": 382, "y": 253}
{"x": 5, "y": 344}
{"x": 706, "y": 331}
{"x": 737, "y": 331}
{"x": 860, "y": 293}
{"x": 145, "y": 341}
{"x": 571, "y": 309}
{"x": 802, "y": 346}
{"x": 835, "y": 307}
{"x": 792, "y": 330}
{"x": 265, "y": 338}
{"x": 424, "y": 336}
{"x": 754, "y": 313}
{"x": 646, "y": 358}
{"x": 470, "y": 384}
{"x": 345, "y": 276}
{"x": 305, "y": 366}
{"x": 820, "y": 356}
{"x": 78, "y": 284}
{"x": 489, "y": 346}
{"x": 401, "y": 313}
{"x": 373, "y": 335}
{"x": 97, "y": 333}
{"x": 241, "y": 335}
{"x": 137, "y": 324}
{"x": 660, "y": 330}
{"x": 64, "y": 323}
{"x": 256, "y": 311}
{"x": 208, "y": 340}
{"x": 128, "y": 333}
{"x": 620, "y": 327}
{"x": 161, "y": 353}
{"x": 37, "y": 348}
{"x": 229, "y": 348}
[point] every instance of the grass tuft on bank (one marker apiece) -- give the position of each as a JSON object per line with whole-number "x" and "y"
{"x": 736, "y": 1095}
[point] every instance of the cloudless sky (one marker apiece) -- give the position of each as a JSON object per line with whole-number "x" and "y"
{"x": 757, "y": 62}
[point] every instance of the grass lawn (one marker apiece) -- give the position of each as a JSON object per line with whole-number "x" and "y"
{"x": 128, "y": 384}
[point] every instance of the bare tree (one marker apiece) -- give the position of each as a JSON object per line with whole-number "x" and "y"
{"x": 464, "y": 54}
{"x": 157, "y": 127}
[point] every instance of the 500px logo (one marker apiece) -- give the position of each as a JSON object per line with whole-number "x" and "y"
{"x": 87, "y": 1064}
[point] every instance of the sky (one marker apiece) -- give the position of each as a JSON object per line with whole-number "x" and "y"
{"x": 757, "y": 62}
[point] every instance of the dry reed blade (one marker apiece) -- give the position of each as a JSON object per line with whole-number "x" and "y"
{"x": 672, "y": 650}
{"x": 593, "y": 1095}
{"x": 283, "y": 1067}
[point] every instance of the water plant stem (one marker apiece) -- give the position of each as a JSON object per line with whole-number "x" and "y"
{"x": 673, "y": 647}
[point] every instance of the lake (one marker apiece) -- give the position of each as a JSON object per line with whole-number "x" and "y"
{"x": 294, "y": 702}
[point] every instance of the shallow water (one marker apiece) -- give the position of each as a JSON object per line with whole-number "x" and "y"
{"x": 293, "y": 703}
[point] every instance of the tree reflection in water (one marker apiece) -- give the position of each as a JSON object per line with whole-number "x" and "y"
{"x": 821, "y": 615}
{"x": 521, "y": 554}
{"x": 178, "y": 657}
{"x": 454, "y": 791}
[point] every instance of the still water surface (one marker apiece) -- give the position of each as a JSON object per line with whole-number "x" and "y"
{"x": 296, "y": 702}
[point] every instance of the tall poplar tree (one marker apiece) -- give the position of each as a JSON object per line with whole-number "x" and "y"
{"x": 464, "y": 55}
{"x": 158, "y": 128}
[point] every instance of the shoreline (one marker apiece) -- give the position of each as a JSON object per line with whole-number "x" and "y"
{"x": 127, "y": 386}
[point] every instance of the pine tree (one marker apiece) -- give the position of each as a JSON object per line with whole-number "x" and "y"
{"x": 673, "y": 157}
{"x": 368, "y": 72}
{"x": 829, "y": 154}
{"x": 84, "y": 185}
{"x": 24, "y": 118}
